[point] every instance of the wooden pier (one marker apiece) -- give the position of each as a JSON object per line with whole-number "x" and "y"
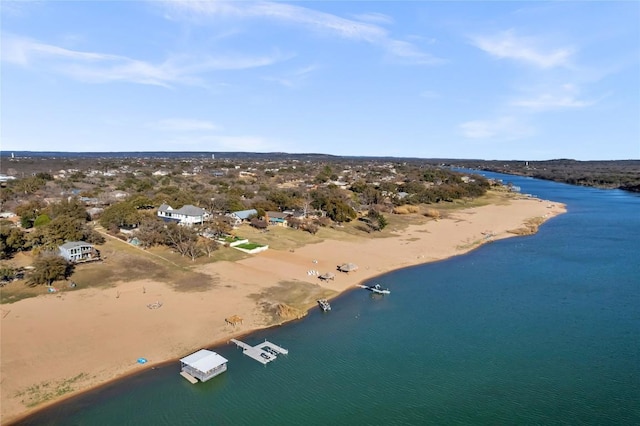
{"x": 189, "y": 377}
{"x": 264, "y": 352}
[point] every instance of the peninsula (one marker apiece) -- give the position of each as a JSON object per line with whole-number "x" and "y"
{"x": 160, "y": 304}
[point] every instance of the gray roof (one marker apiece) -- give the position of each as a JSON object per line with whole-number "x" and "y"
{"x": 165, "y": 207}
{"x": 73, "y": 244}
{"x": 244, "y": 214}
{"x": 277, "y": 215}
{"x": 187, "y": 210}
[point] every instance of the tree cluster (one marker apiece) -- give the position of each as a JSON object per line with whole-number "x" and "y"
{"x": 47, "y": 227}
{"x": 621, "y": 174}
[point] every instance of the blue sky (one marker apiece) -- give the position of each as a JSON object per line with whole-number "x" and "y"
{"x": 489, "y": 80}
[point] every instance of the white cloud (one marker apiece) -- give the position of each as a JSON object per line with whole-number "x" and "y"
{"x": 18, "y": 9}
{"x": 375, "y": 18}
{"x": 507, "y": 45}
{"x": 563, "y": 97}
{"x": 101, "y": 68}
{"x": 183, "y": 125}
{"x": 322, "y": 22}
{"x": 502, "y": 128}
{"x": 547, "y": 101}
{"x": 294, "y": 78}
{"x": 408, "y": 51}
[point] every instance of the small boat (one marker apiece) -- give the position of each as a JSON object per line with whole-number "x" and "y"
{"x": 376, "y": 289}
{"x": 324, "y": 304}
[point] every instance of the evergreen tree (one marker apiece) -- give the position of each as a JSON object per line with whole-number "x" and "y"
{"x": 49, "y": 267}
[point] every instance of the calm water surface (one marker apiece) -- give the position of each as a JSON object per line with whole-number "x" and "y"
{"x": 532, "y": 330}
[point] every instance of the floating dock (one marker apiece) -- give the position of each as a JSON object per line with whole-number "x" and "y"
{"x": 189, "y": 377}
{"x": 264, "y": 352}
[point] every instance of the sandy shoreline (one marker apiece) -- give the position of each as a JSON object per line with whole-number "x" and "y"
{"x": 56, "y": 346}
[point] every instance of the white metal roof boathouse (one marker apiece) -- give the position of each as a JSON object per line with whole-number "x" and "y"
{"x": 202, "y": 365}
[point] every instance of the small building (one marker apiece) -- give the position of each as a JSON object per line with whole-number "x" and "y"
{"x": 348, "y": 267}
{"x": 203, "y": 365}
{"x": 295, "y": 214}
{"x": 78, "y": 251}
{"x": 242, "y": 215}
{"x": 327, "y": 276}
{"x": 277, "y": 218}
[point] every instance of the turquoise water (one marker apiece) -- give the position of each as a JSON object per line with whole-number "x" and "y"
{"x": 532, "y": 330}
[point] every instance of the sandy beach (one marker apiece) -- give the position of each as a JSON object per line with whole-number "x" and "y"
{"x": 55, "y": 346}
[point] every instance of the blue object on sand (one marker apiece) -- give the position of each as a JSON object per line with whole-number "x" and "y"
{"x": 142, "y": 360}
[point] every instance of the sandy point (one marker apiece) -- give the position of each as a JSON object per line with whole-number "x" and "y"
{"x": 54, "y": 346}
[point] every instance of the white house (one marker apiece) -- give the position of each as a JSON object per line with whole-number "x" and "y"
{"x": 78, "y": 251}
{"x": 185, "y": 215}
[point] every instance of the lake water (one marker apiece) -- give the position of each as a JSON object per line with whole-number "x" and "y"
{"x": 543, "y": 329}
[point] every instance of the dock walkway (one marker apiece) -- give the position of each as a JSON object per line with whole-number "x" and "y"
{"x": 189, "y": 377}
{"x": 263, "y": 352}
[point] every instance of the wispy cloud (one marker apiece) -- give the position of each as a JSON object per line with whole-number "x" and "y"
{"x": 94, "y": 67}
{"x": 294, "y": 78}
{"x": 183, "y": 125}
{"x": 375, "y": 18}
{"x": 324, "y": 23}
{"x": 508, "y": 45}
{"x": 18, "y": 8}
{"x": 566, "y": 96}
{"x": 502, "y": 128}
{"x": 547, "y": 101}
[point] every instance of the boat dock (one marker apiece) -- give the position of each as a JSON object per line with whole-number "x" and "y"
{"x": 189, "y": 377}
{"x": 263, "y": 353}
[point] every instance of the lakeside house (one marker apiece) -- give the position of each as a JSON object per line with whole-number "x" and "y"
{"x": 186, "y": 215}
{"x": 78, "y": 251}
{"x": 202, "y": 365}
{"x": 277, "y": 218}
{"x": 242, "y": 215}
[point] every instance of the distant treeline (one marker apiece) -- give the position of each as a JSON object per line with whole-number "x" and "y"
{"x": 618, "y": 174}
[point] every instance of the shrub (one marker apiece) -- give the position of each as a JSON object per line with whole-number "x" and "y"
{"x": 405, "y": 209}
{"x": 433, "y": 213}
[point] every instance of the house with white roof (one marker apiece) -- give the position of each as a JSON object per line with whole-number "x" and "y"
{"x": 186, "y": 215}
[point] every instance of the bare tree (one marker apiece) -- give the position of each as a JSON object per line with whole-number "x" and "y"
{"x": 183, "y": 239}
{"x": 208, "y": 246}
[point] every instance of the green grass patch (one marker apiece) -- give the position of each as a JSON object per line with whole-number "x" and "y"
{"x": 232, "y": 239}
{"x": 249, "y": 246}
{"x": 45, "y": 391}
{"x": 281, "y": 238}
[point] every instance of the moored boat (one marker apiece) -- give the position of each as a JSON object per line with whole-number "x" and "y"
{"x": 376, "y": 289}
{"x": 324, "y": 304}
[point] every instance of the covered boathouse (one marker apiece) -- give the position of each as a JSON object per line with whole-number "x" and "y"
{"x": 202, "y": 365}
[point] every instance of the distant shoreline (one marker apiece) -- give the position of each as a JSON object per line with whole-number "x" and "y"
{"x": 105, "y": 336}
